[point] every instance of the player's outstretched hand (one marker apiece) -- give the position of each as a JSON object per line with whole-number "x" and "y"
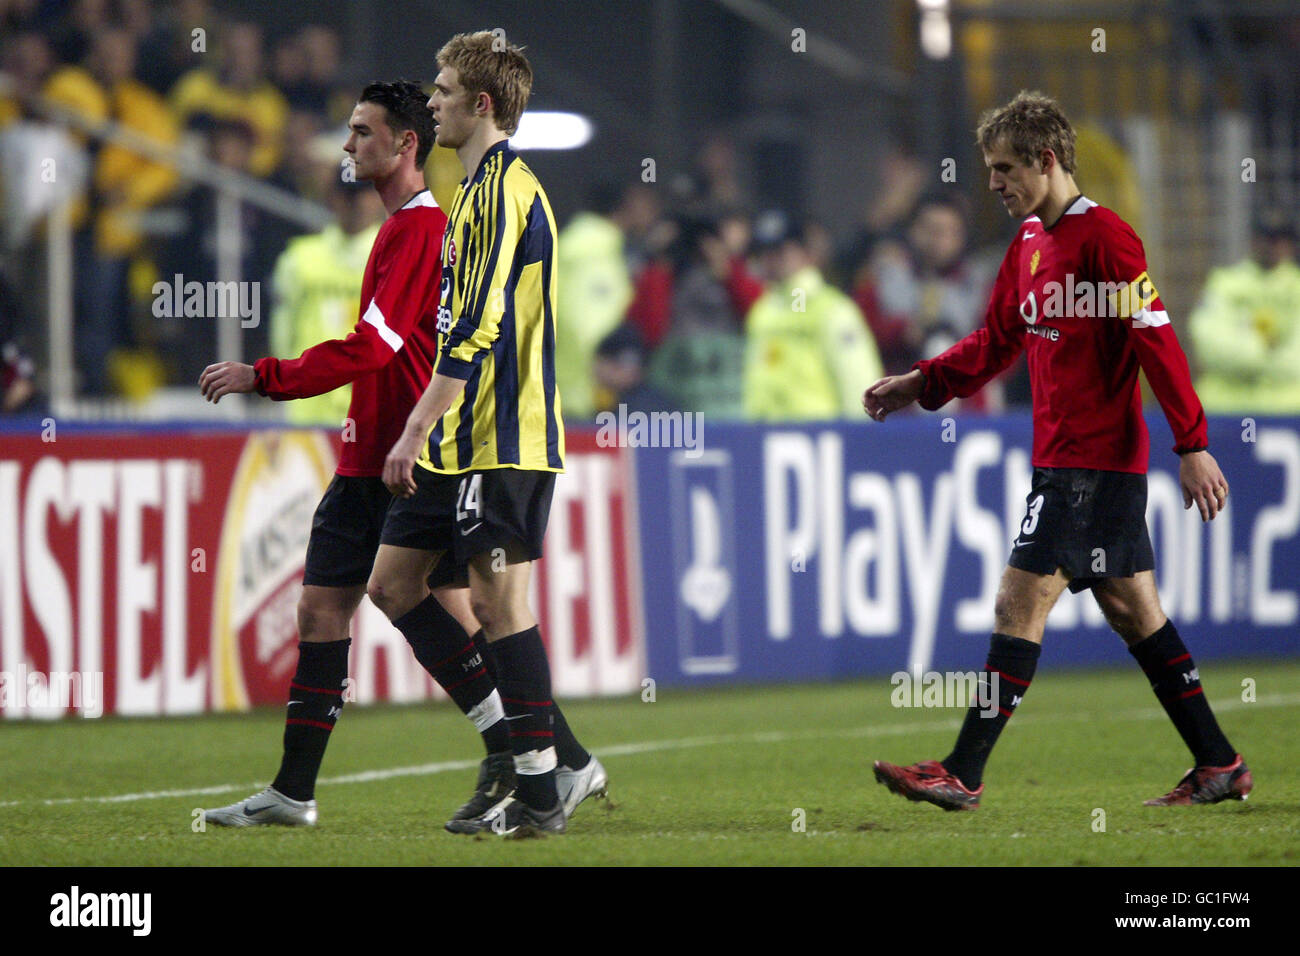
{"x": 1203, "y": 483}
{"x": 399, "y": 466}
{"x": 225, "y": 378}
{"x": 892, "y": 393}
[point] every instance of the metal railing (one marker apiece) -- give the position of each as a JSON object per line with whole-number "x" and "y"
{"x": 232, "y": 188}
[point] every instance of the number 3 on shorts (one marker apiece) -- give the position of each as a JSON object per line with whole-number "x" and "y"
{"x": 467, "y": 499}
{"x": 1031, "y": 522}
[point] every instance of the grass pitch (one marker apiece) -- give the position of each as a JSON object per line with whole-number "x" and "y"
{"x": 697, "y": 778}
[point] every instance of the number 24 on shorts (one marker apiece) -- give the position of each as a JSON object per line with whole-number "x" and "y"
{"x": 468, "y": 504}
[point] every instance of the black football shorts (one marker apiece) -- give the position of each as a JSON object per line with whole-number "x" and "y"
{"x": 1091, "y": 524}
{"x": 345, "y": 535}
{"x": 473, "y": 513}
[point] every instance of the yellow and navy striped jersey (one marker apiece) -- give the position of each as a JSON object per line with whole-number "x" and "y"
{"x": 496, "y": 324}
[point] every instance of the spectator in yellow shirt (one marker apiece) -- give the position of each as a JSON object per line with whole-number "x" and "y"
{"x": 124, "y": 184}
{"x": 237, "y": 90}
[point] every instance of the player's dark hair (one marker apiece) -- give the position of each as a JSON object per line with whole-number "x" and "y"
{"x": 406, "y": 107}
{"x": 485, "y": 63}
{"x": 1029, "y": 124}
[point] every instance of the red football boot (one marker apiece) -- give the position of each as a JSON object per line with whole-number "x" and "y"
{"x": 1209, "y": 785}
{"x": 929, "y": 781}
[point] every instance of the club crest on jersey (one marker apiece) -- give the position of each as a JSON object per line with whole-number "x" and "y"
{"x": 1033, "y": 261}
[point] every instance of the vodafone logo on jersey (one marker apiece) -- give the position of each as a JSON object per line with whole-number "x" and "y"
{"x": 1029, "y": 309}
{"x": 1029, "y": 312}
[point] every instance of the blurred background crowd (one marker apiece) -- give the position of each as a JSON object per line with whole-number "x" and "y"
{"x": 765, "y": 256}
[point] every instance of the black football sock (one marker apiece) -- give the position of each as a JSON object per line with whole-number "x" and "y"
{"x": 484, "y": 647}
{"x": 315, "y": 703}
{"x": 568, "y": 751}
{"x": 449, "y": 654}
{"x": 524, "y": 677}
{"x": 1177, "y": 685}
{"x": 1010, "y": 667}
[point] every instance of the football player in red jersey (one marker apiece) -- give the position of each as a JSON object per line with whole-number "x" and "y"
{"x": 1073, "y": 291}
{"x": 389, "y": 358}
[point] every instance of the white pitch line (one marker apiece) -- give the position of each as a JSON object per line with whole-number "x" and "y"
{"x": 364, "y": 776}
{"x": 652, "y": 746}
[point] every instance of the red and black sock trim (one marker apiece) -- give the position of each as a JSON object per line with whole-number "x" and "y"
{"x": 1011, "y": 664}
{"x": 568, "y": 751}
{"x": 1177, "y": 685}
{"x": 452, "y": 658}
{"x": 315, "y": 704}
{"x": 524, "y": 679}
{"x": 531, "y": 721}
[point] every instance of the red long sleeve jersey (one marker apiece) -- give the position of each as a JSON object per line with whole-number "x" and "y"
{"x": 390, "y": 356}
{"x": 1078, "y": 298}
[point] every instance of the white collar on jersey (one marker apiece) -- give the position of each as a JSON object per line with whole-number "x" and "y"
{"x": 1080, "y": 205}
{"x": 422, "y": 198}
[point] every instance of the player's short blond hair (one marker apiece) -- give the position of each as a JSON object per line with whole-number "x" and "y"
{"x": 485, "y": 63}
{"x": 1029, "y": 124}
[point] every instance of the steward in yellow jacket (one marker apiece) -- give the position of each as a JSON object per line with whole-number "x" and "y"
{"x": 808, "y": 351}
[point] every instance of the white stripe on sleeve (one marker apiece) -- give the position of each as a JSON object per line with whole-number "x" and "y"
{"x": 376, "y": 318}
{"x": 1146, "y": 319}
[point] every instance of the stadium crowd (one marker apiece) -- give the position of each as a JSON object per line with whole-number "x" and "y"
{"x": 690, "y": 295}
